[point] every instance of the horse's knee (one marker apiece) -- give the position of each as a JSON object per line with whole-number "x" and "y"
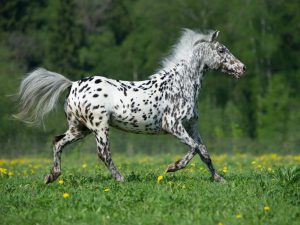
{"x": 58, "y": 138}
{"x": 202, "y": 151}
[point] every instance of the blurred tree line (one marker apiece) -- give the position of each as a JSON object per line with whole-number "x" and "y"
{"x": 126, "y": 39}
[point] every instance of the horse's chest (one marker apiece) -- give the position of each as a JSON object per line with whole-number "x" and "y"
{"x": 182, "y": 107}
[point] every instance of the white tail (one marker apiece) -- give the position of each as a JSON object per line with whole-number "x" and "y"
{"x": 38, "y": 94}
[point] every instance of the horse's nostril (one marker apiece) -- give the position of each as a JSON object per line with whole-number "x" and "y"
{"x": 244, "y": 68}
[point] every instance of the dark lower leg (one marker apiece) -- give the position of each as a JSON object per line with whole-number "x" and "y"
{"x": 56, "y": 170}
{"x": 104, "y": 154}
{"x": 180, "y": 164}
{"x": 207, "y": 160}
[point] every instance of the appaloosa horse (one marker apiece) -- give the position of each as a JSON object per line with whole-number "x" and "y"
{"x": 164, "y": 103}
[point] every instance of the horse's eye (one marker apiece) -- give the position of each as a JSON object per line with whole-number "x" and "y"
{"x": 221, "y": 50}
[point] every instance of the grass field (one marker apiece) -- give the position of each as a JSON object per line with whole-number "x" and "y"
{"x": 260, "y": 190}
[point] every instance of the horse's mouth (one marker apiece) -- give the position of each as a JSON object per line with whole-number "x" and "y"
{"x": 236, "y": 74}
{"x": 238, "y": 71}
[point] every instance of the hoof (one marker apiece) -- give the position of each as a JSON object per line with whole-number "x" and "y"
{"x": 120, "y": 178}
{"x": 171, "y": 168}
{"x": 48, "y": 179}
{"x": 174, "y": 167}
{"x": 218, "y": 178}
{"x": 51, "y": 177}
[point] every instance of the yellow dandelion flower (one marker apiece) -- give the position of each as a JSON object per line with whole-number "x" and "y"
{"x": 66, "y": 195}
{"x": 106, "y": 190}
{"x": 274, "y": 156}
{"x": 238, "y": 216}
{"x": 61, "y": 181}
{"x": 266, "y": 208}
{"x": 225, "y": 169}
{"x": 84, "y": 165}
{"x": 160, "y": 178}
{"x": 3, "y": 170}
{"x": 259, "y": 167}
{"x": 10, "y": 173}
{"x": 220, "y": 223}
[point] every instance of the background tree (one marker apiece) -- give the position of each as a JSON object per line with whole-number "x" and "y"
{"x": 127, "y": 40}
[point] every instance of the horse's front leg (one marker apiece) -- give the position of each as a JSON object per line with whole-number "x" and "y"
{"x": 202, "y": 151}
{"x": 180, "y": 132}
{"x": 193, "y": 139}
{"x": 182, "y": 163}
{"x": 204, "y": 155}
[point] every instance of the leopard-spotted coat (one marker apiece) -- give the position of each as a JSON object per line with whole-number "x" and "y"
{"x": 164, "y": 103}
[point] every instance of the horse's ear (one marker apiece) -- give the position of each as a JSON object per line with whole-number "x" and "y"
{"x": 214, "y": 36}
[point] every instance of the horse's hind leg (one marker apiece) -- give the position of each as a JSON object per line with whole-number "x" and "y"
{"x": 75, "y": 132}
{"x": 104, "y": 152}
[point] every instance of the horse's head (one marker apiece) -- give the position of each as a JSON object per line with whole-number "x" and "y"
{"x": 217, "y": 56}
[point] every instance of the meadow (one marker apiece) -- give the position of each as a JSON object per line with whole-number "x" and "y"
{"x": 262, "y": 189}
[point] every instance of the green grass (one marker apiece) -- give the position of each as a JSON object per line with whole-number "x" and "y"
{"x": 184, "y": 197}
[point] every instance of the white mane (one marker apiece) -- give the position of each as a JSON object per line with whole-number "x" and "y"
{"x": 183, "y": 50}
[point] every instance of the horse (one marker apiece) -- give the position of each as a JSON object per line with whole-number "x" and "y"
{"x": 165, "y": 103}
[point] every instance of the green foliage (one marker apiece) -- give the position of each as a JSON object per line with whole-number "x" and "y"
{"x": 288, "y": 176}
{"x": 273, "y": 107}
{"x": 127, "y": 39}
{"x": 64, "y": 38}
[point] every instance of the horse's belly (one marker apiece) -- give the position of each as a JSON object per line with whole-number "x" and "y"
{"x": 136, "y": 124}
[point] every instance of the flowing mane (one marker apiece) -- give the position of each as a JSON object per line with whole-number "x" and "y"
{"x": 184, "y": 47}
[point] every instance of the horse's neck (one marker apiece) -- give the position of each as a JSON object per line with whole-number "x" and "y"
{"x": 190, "y": 77}
{"x": 187, "y": 74}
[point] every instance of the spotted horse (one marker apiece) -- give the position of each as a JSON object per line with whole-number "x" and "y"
{"x": 165, "y": 103}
